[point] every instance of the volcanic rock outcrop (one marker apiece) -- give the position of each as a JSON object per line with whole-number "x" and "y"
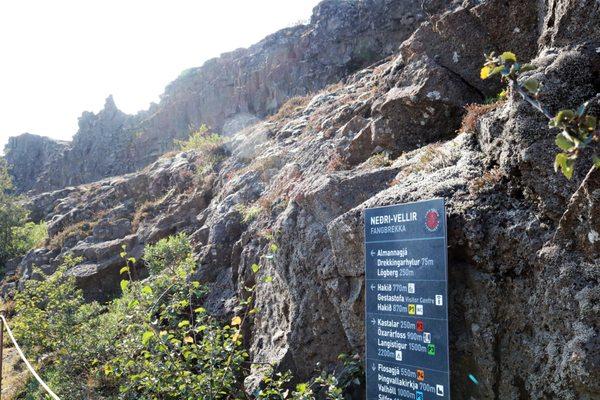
{"x": 234, "y": 90}
{"x": 524, "y": 242}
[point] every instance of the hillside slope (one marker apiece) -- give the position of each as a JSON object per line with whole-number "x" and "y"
{"x": 226, "y": 93}
{"x": 523, "y": 245}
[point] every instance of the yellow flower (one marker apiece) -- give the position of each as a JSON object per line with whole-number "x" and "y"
{"x": 236, "y": 321}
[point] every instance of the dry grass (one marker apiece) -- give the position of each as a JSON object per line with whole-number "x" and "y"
{"x": 487, "y": 181}
{"x": 431, "y": 158}
{"x": 144, "y": 210}
{"x": 379, "y": 160}
{"x": 337, "y": 163}
{"x": 15, "y": 375}
{"x": 79, "y": 229}
{"x": 474, "y": 114}
{"x": 280, "y": 190}
{"x": 169, "y": 154}
{"x": 262, "y": 165}
{"x": 290, "y": 107}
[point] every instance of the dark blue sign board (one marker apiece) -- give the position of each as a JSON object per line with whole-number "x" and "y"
{"x": 406, "y": 326}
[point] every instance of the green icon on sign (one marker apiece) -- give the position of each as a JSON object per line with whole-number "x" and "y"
{"x": 431, "y": 349}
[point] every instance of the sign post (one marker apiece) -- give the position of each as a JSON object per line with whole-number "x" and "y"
{"x": 406, "y": 324}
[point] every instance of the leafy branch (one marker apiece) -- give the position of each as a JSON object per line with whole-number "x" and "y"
{"x": 578, "y": 130}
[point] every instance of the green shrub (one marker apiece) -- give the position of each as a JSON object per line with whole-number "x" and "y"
{"x": 12, "y": 216}
{"x": 248, "y": 213}
{"x": 167, "y": 253}
{"x": 209, "y": 146}
{"x": 30, "y": 236}
{"x": 46, "y": 310}
{"x": 154, "y": 342}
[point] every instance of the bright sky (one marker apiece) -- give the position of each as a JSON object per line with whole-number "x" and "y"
{"x": 59, "y": 58}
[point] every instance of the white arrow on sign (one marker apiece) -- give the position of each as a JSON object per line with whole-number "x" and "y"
{"x": 372, "y": 286}
{"x": 372, "y": 253}
{"x": 373, "y": 321}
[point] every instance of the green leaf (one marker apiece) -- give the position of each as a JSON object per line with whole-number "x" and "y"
{"x": 146, "y": 337}
{"x": 563, "y": 140}
{"x": 184, "y": 323}
{"x": 532, "y": 85}
{"x": 564, "y": 116}
{"x": 273, "y": 248}
{"x": 131, "y": 260}
{"x": 124, "y": 270}
{"x": 507, "y": 56}
{"x": 497, "y": 70}
{"x": 200, "y": 310}
{"x": 147, "y": 290}
{"x": 124, "y": 285}
{"x": 268, "y": 279}
{"x": 255, "y": 268}
{"x": 596, "y": 161}
{"x": 527, "y": 67}
{"x": 133, "y": 303}
{"x": 590, "y": 123}
{"x": 302, "y": 388}
{"x": 565, "y": 164}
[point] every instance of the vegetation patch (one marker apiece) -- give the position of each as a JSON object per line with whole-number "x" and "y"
{"x": 144, "y": 210}
{"x": 17, "y": 234}
{"x": 291, "y": 107}
{"x": 156, "y": 341}
{"x": 474, "y": 114}
{"x": 209, "y": 146}
{"x": 379, "y": 160}
{"x": 80, "y": 230}
{"x": 248, "y": 212}
{"x": 486, "y": 182}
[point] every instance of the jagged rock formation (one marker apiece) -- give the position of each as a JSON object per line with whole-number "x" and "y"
{"x": 29, "y": 156}
{"x": 235, "y": 89}
{"x": 524, "y": 247}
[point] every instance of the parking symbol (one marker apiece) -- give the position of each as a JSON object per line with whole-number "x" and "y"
{"x": 419, "y": 395}
{"x": 411, "y": 309}
{"x": 431, "y": 349}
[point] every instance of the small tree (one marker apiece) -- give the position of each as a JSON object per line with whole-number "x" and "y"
{"x": 12, "y": 216}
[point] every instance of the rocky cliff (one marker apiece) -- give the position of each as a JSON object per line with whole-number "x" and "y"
{"x": 234, "y": 90}
{"x": 524, "y": 252}
{"x": 29, "y": 156}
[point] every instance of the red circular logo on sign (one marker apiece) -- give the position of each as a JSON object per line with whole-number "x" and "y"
{"x": 432, "y": 220}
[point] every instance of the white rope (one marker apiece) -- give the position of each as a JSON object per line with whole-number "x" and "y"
{"x": 36, "y": 376}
